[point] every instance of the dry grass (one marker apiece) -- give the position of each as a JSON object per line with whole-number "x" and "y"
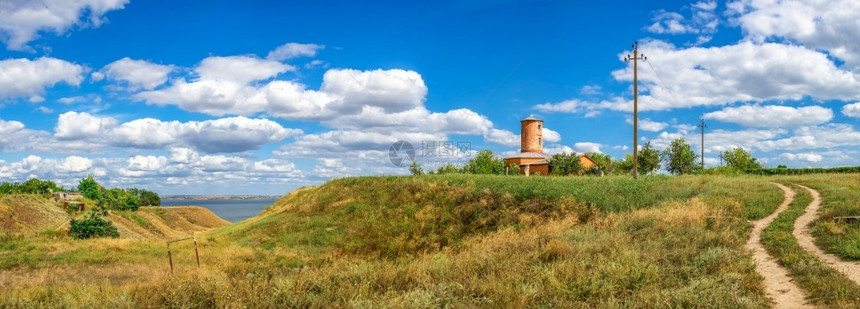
{"x": 29, "y": 214}
{"x": 165, "y": 222}
{"x": 455, "y": 241}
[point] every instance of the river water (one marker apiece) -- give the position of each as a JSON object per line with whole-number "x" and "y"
{"x": 230, "y": 210}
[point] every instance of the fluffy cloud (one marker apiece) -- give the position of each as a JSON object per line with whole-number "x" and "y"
{"x": 29, "y": 78}
{"x": 73, "y": 125}
{"x": 508, "y": 138}
{"x": 294, "y": 50}
{"x": 20, "y": 21}
{"x": 14, "y": 136}
{"x": 240, "y": 69}
{"x": 586, "y": 147}
{"x": 502, "y": 137}
{"x": 75, "y": 164}
{"x": 773, "y": 116}
{"x": 378, "y": 101}
{"x": 235, "y": 134}
{"x": 851, "y": 110}
{"x": 745, "y": 72}
{"x": 826, "y": 136}
{"x": 825, "y": 25}
{"x": 157, "y": 172}
{"x": 137, "y": 73}
{"x": 392, "y": 90}
{"x": 646, "y": 124}
{"x": 222, "y": 86}
{"x": 738, "y": 73}
{"x": 703, "y": 20}
{"x": 806, "y": 157}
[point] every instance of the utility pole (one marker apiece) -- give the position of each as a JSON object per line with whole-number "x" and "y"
{"x": 703, "y": 126}
{"x": 636, "y": 57}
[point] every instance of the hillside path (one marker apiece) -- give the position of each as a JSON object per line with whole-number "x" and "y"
{"x": 777, "y": 283}
{"x": 804, "y": 237}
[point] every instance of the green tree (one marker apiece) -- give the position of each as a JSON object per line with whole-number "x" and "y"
{"x": 679, "y": 157}
{"x": 36, "y": 186}
{"x": 448, "y": 168}
{"x": 149, "y": 198}
{"x": 92, "y": 226}
{"x": 740, "y": 159}
{"x": 485, "y": 162}
{"x": 8, "y": 188}
{"x": 565, "y": 164}
{"x": 623, "y": 166}
{"x": 649, "y": 159}
{"x": 416, "y": 169}
{"x": 603, "y": 163}
{"x": 89, "y": 188}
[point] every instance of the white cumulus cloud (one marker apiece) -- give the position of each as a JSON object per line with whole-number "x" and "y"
{"x": 21, "y": 21}
{"x": 773, "y": 116}
{"x": 294, "y": 50}
{"x": 28, "y": 78}
{"x": 137, "y": 73}
{"x": 851, "y": 110}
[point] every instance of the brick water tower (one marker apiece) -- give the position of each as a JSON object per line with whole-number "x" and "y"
{"x": 531, "y": 135}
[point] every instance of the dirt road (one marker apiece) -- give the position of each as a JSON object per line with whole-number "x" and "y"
{"x": 777, "y": 283}
{"x": 804, "y": 238}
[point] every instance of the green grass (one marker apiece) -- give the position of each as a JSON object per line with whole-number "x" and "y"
{"x": 436, "y": 241}
{"x": 397, "y": 216}
{"x": 840, "y": 197}
{"x": 824, "y": 285}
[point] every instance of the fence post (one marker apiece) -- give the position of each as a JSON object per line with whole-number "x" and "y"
{"x": 170, "y": 258}
{"x": 196, "y": 254}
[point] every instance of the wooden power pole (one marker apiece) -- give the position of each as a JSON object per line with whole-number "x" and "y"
{"x": 703, "y": 126}
{"x": 636, "y": 57}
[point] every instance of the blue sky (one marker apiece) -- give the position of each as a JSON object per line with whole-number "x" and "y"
{"x": 227, "y": 97}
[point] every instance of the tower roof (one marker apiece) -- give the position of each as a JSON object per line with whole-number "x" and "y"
{"x": 531, "y": 117}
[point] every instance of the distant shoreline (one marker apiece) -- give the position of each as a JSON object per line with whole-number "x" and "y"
{"x": 218, "y": 197}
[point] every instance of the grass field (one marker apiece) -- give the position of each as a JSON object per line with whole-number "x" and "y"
{"x": 433, "y": 241}
{"x": 840, "y": 198}
{"x": 825, "y": 286}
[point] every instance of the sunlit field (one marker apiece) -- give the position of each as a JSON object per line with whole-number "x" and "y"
{"x": 457, "y": 241}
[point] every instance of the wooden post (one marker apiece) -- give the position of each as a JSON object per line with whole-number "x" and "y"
{"x": 196, "y": 254}
{"x": 636, "y": 57}
{"x": 170, "y": 258}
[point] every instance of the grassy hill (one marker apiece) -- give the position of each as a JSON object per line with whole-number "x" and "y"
{"x": 27, "y": 215}
{"x": 432, "y": 241}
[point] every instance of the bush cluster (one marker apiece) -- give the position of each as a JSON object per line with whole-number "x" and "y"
{"x": 92, "y": 226}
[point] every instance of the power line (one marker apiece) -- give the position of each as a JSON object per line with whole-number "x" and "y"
{"x": 663, "y": 83}
{"x": 501, "y": 82}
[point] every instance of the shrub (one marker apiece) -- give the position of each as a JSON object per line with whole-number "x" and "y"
{"x": 485, "y": 163}
{"x": 416, "y": 169}
{"x": 565, "y": 164}
{"x": 92, "y": 226}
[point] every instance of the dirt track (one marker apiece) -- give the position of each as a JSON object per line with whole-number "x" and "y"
{"x": 777, "y": 283}
{"x": 805, "y": 239}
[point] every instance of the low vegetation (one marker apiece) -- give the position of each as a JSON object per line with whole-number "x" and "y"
{"x": 449, "y": 240}
{"x": 824, "y": 285}
{"x": 31, "y": 186}
{"x": 432, "y": 241}
{"x": 840, "y": 196}
{"x": 92, "y": 226}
